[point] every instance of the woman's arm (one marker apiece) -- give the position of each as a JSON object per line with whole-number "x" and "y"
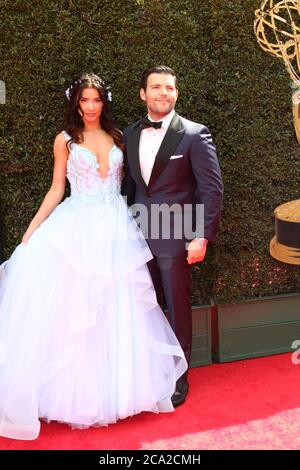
{"x": 128, "y": 186}
{"x": 57, "y": 189}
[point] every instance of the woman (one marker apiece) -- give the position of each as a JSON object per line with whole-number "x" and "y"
{"x": 82, "y": 338}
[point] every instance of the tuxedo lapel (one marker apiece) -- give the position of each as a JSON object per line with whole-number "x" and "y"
{"x": 169, "y": 144}
{"x": 133, "y": 144}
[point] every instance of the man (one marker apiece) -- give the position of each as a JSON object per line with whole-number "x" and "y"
{"x": 171, "y": 160}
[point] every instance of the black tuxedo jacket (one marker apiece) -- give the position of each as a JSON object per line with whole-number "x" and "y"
{"x": 192, "y": 178}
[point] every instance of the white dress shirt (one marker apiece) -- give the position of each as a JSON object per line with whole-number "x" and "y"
{"x": 150, "y": 141}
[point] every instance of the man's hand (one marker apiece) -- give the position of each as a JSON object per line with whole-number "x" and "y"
{"x": 196, "y": 250}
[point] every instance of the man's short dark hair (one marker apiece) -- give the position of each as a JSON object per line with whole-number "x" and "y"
{"x": 156, "y": 69}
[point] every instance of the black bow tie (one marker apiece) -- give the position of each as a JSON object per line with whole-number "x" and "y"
{"x": 145, "y": 122}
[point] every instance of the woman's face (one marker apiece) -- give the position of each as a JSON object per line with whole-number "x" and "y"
{"x": 90, "y": 105}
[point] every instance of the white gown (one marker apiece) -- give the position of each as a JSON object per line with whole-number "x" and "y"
{"x": 82, "y": 338}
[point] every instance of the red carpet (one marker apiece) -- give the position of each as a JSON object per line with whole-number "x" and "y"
{"x": 262, "y": 391}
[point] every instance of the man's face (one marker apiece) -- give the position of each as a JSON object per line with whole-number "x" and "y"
{"x": 160, "y": 95}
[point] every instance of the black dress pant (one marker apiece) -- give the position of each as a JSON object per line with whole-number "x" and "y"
{"x": 172, "y": 282}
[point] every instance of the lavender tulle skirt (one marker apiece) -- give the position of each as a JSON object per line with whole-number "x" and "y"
{"x": 82, "y": 338}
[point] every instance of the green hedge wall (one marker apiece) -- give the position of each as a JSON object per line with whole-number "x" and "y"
{"x": 226, "y": 82}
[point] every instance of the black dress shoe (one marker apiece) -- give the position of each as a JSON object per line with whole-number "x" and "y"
{"x": 180, "y": 394}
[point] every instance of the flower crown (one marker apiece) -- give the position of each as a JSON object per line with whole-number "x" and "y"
{"x": 103, "y": 84}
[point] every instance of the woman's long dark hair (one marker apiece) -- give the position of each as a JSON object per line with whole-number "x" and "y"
{"x": 73, "y": 123}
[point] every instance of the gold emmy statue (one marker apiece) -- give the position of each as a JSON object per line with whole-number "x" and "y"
{"x": 277, "y": 29}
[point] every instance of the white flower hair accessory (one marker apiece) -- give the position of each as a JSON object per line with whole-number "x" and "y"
{"x": 69, "y": 90}
{"x": 68, "y": 93}
{"x": 106, "y": 88}
{"x": 109, "y": 95}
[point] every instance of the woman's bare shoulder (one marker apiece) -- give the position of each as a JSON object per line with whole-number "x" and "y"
{"x": 60, "y": 138}
{"x": 59, "y": 145}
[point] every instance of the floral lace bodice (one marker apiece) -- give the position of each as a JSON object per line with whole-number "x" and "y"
{"x": 84, "y": 176}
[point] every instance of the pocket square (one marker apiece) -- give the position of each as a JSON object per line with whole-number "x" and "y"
{"x": 176, "y": 156}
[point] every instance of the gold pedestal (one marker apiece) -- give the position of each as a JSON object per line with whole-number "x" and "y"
{"x": 285, "y": 246}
